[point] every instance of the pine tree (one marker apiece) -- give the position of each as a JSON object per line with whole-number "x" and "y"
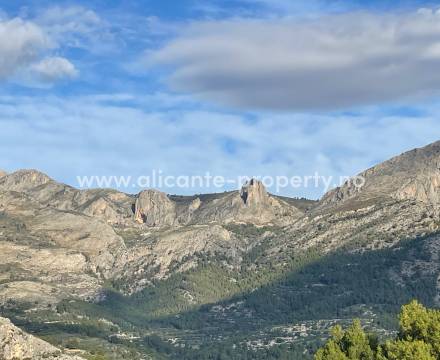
{"x": 418, "y": 339}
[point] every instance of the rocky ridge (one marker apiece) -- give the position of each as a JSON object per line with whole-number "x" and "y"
{"x": 58, "y": 242}
{"x": 414, "y": 175}
{"x": 252, "y": 204}
{"x": 108, "y": 205}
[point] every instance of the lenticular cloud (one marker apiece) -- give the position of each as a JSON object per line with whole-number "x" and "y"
{"x": 327, "y": 63}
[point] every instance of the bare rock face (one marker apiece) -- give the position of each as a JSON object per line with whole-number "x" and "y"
{"x": 108, "y": 205}
{"x": 257, "y": 206}
{"x": 414, "y": 175}
{"x": 254, "y": 194}
{"x": 186, "y": 212}
{"x": 57, "y": 242}
{"x": 195, "y": 204}
{"x": 154, "y": 208}
{"x": 3, "y": 173}
{"x": 16, "y": 344}
{"x": 423, "y": 188}
{"x": 252, "y": 204}
{"x": 91, "y": 237}
{"x": 50, "y": 254}
{"x": 23, "y": 180}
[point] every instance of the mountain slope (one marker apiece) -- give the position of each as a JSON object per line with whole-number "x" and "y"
{"x": 60, "y": 242}
{"x": 164, "y": 265}
{"x": 414, "y": 175}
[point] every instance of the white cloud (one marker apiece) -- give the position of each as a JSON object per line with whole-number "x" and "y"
{"x": 72, "y": 19}
{"x": 21, "y": 43}
{"x": 53, "y": 69}
{"x": 82, "y": 136}
{"x": 26, "y": 52}
{"x": 331, "y": 62}
{"x": 77, "y": 26}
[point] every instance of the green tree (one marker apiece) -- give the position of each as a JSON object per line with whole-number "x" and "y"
{"x": 352, "y": 344}
{"x": 331, "y": 351}
{"x": 405, "y": 350}
{"x": 420, "y": 323}
{"x": 418, "y": 339}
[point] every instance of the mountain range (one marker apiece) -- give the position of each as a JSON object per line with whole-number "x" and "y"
{"x": 239, "y": 275}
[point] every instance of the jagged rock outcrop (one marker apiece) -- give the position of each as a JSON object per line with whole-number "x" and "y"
{"x": 3, "y": 173}
{"x": 15, "y": 344}
{"x": 254, "y": 194}
{"x": 252, "y": 204}
{"x": 154, "y": 208}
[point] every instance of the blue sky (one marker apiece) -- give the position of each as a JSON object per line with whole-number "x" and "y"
{"x": 255, "y": 88}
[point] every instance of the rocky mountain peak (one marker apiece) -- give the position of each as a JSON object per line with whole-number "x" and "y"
{"x": 254, "y": 193}
{"x": 154, "y": 208}
{"x": 3, "y": 173}
{"x": 23, "y": 180}
{"x": 413, "y": 175}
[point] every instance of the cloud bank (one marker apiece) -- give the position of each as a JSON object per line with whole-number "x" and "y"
{"x": 104, "y": 135}
{"x": 326, "y": 63}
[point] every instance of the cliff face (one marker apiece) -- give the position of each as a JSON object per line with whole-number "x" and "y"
{"x": 254, "y": 194}
{"x": 154, "y": 208}
{"x": 16, "y": 344}
{"x": 423, "y": 188}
